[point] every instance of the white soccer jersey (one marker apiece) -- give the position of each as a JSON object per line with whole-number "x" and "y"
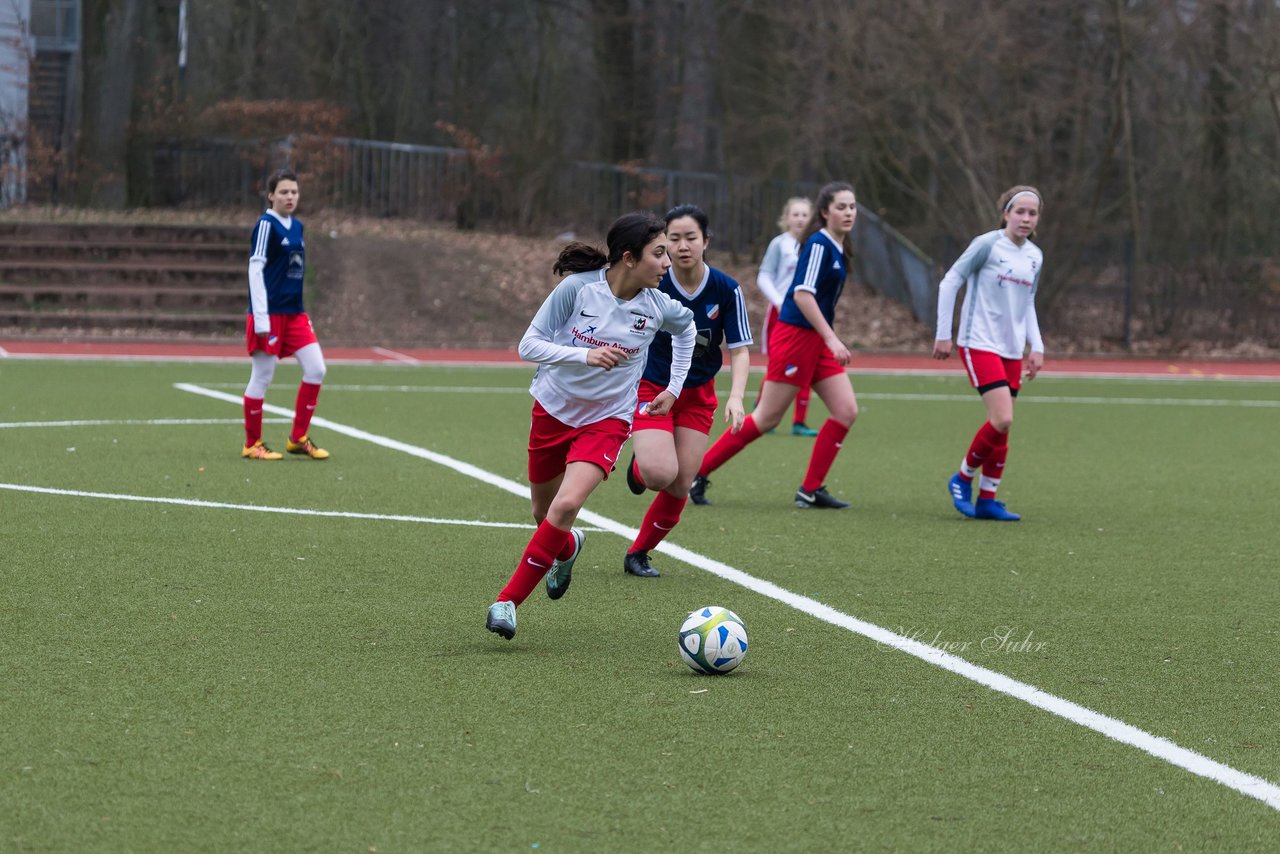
{"x": 778, "y": 268}
{"x": 999, "y": 310}
{"x": 581, "y": 314}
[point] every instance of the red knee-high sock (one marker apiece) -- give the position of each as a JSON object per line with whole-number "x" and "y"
{"x": 980, "y": 448}
{"x": 802, "y": 405}
{"x": 993, "y": 468}
{"x": 303, "y": 409}
{"x": 728, "y": 445}
{"x": 252, "y": 420}
{"x": 547, "y": 543}
{"x": 662, "y": 516}
{"x": 825, "y": 448}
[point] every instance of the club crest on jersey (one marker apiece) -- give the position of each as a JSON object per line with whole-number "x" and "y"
{"x": 639, "y": 324}
{"x": 791, "y": 370}
{"x": 713, "y": 311}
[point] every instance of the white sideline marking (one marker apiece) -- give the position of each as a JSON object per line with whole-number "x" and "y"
{"x": 399, "y": 357}
{"x": 289, "y": 511}
{"x": 164, "y": 422}
{"x": 903, "y": 396}
{"x": 1117, "y": 730}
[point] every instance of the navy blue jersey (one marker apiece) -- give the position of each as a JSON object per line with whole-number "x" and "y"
{"x": 720, "y": 315}
{"x": 820, "y": 271}
{"x": 283, "y": 252}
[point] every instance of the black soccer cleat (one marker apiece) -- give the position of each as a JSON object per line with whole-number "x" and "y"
{"x": 819, "y": 498}
{"x": 633, "y": 482}
{"x": 637, "y": 563}
{"x": 698, "y": 492}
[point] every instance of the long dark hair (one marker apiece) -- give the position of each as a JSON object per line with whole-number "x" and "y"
{"x": 818, "y": 221}
{"x": 629, "y": 233}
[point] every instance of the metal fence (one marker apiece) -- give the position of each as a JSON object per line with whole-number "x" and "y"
{"x": 387, "y": 179}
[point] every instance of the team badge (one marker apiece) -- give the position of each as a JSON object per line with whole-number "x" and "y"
{"x": 791, "y": 370}
{"x": 713, "y": 311}
{"x": 639, "y": 324}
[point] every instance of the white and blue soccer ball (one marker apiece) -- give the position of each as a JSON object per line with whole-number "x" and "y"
{"x": 713, "y": 640}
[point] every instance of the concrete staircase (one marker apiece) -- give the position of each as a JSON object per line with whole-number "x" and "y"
{"x": 123, "y": 280}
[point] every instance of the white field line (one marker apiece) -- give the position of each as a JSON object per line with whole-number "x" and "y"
{"x": 403, "y": 358}
{"x": 163, "y": 422}
{"x": 1117, "y": 730}
{"x": 932, "y": 398}
{"x": 257, "y": 508}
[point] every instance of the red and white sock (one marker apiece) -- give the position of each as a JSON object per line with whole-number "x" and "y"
{"x": 303, "y": 409}
{"x": 825, "y": 447}
{"x": 547, "y": 543}
{"x": 252, "y": 420}
{"x": 993, "y": 468}
{"x": 663, "y": 515}
{"x": 984, "y": 440}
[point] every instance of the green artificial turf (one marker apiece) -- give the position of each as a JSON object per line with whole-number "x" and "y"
{"x": 211, "y": 678}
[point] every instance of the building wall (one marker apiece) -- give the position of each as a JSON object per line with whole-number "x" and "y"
{"x": 16, "y": 50}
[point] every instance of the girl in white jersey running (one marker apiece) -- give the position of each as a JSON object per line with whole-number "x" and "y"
{"x": 997, "y": 321}
{"x": 590, "y": 339}
{"x": 777, "y": 269}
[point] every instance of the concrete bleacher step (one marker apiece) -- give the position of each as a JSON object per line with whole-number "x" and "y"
{"x": 122, "y": 279}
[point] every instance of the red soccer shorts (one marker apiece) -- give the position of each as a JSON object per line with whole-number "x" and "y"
{"x": 289, "y": 334}
{"x": 989, "y": 370}
{"x": 798, "y": 356}
{"x": 554, "y": 444}
{"x": 695, "y": 408}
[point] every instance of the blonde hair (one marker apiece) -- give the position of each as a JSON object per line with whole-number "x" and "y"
{"x": 786, "y": 209}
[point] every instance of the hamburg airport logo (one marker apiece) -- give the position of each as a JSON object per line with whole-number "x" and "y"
{"x": 713, "y": 311}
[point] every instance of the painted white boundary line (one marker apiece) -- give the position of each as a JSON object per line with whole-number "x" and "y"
{"x": 257, "y": 508}
{"x": 1112, "y": 728}
{"x": 161, "y": 422}
{"x": 896, "y": 396}
{"x": 404, "y": 358}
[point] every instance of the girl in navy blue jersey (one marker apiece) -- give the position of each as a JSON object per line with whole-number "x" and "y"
{"x": 804, "y": 349}
{"x": 668, "y": 449}
{"x": 276, "y": 325}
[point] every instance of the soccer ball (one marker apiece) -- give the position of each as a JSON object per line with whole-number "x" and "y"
{"x": 713, "y": 640}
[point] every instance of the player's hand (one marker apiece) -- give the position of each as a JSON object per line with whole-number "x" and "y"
{"x": 734, "y": 413}
{"x": 605, "y": 357}
{"x": 1035, "y": 361}
{"x": 839, "y": 351}
{"x": 942, "y": 349}
{"x": 661, "y": 405}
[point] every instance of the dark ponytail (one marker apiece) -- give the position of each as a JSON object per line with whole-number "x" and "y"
{"x": 579, "y": 257}
{"x": 629, "y": 233}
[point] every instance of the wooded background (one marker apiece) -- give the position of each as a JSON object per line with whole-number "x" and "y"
{"x": 1152, "y": 127}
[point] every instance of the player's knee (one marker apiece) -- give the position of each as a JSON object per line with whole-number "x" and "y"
{"x": 658, "y": 475}
{"x": 314, "y": 374}
{"x": 1002, "y": 423}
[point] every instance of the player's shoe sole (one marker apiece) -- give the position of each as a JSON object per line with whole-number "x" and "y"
{"x": 259, "y": 451}
{"x": 561, "y": 572}
{"x": 961, "y": 492}
{"x": 989, "y": 508}
{"x": 304, "y": 445}
{"x": 501, "y": 619}
{"x": 637, "y": 563}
